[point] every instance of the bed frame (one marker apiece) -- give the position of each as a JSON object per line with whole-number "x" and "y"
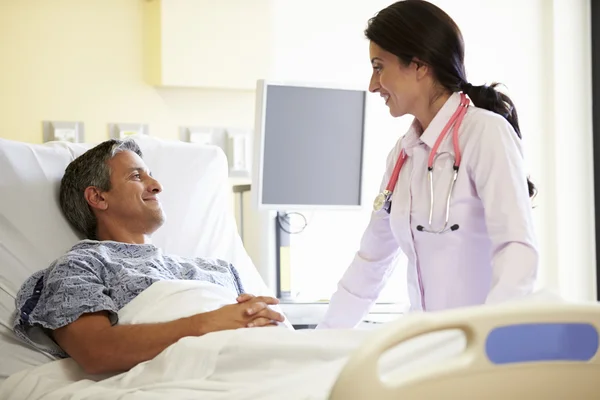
{"x": 524, "y": 351}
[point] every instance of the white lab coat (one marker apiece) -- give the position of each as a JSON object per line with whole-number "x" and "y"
{"x": 491, "y": 258}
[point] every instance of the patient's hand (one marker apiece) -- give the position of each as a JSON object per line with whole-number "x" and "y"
{"x": 243, "y": 298}
{"x": 251, "y": 312}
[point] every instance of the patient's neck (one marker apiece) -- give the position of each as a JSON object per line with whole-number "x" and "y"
{"x": 120, "y": 234}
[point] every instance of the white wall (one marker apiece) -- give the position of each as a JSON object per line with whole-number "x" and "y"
{"x": 329, "y": 47}
{"x": 570, "y": 159}
{"x": 528, "y": 45}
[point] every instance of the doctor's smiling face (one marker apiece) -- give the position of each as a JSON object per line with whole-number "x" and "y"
{"x": 417, "y": 54}
{"x": 400, "y": 85}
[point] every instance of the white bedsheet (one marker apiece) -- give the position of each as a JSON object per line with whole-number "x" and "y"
{"x": 256, "y": 363}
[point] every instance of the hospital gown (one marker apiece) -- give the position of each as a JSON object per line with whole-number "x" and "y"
{"x": 103, "y": 276}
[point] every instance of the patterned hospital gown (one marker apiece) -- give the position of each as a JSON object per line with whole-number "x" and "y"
{"x": 103, "y": 276}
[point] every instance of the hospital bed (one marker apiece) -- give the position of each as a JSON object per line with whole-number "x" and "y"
{"x": 532, "y": 349}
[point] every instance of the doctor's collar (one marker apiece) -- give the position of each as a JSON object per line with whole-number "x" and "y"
{"x": 412, "y": 138}
{"x": 439, "y": 121}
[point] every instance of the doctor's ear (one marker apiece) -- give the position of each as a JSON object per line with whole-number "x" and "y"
{"x": 421, "y": 68}
{"x": 95, "y": 198}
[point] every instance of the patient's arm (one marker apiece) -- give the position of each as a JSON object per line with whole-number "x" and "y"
{"x": 99, "y": 347}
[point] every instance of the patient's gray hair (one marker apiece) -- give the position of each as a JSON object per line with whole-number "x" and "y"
{"x": 89, "y": 169}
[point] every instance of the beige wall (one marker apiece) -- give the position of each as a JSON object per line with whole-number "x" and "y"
{"x": 83, "y": 60}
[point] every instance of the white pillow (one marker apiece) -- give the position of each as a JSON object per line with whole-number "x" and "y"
{"x": 33, "y": 231}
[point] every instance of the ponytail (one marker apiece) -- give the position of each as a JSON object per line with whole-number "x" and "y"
{"x": 488, "y": 98}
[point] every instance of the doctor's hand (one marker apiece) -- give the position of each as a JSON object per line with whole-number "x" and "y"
{"x": 254, "y": 311}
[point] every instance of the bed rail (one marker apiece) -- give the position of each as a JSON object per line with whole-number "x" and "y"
{"x": 513, "y": 351}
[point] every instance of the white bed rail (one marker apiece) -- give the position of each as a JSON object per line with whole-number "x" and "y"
{"x": 475, "y": 374}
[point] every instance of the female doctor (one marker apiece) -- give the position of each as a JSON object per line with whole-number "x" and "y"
{"x": 455, "y": 198}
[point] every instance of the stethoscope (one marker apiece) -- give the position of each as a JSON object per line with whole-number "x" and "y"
{"x": 383, "y": 199}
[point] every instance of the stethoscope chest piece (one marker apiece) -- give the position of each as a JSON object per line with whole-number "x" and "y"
{"x": 380, "y": 201}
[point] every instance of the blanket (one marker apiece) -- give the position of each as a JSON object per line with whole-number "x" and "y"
{"x": 251, "y": 363}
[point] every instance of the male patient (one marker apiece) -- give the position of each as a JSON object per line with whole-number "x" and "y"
{"x": 111, "y": 198}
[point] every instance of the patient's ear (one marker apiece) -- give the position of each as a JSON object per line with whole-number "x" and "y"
{"x": 94, "y": 198}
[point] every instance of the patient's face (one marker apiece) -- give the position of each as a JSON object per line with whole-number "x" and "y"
{"x": 133, "y": 196}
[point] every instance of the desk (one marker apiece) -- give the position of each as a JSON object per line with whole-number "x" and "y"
{"x": 308, "y": 315}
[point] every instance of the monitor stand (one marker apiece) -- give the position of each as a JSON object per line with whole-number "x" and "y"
{"x": 282, "y": 260}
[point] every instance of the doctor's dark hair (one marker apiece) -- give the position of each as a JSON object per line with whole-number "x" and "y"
{"x": 417, "y": 29}
{"x": 89, "y": 169}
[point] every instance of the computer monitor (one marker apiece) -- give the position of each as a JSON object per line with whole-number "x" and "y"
{"x": 308, "y": 147}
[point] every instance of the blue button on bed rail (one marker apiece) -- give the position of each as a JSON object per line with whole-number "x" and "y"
{"x": 542, "y": 342}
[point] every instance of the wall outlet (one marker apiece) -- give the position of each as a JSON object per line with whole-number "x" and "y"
{"x": 63, "y": 131}
{"x": 121, "y": 131}
{"x": 235, "y": 143}
{"x": 196, "y": 134}
{"x": 238, "y": 150}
